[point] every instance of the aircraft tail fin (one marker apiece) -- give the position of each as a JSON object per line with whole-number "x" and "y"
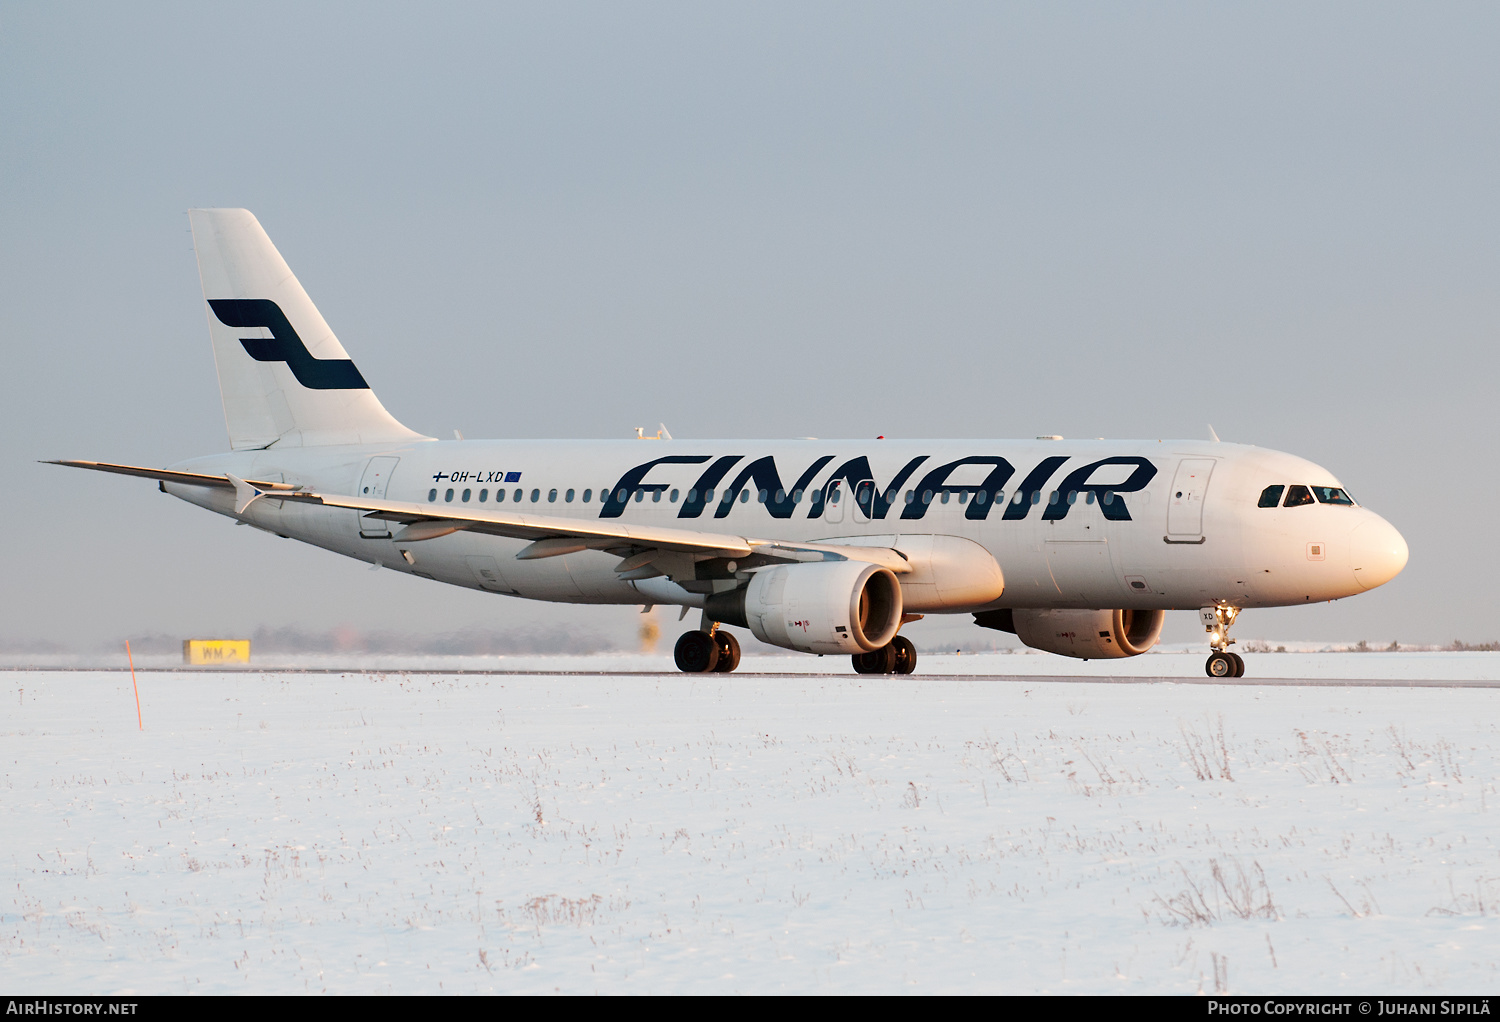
{"x": 284, "y": 376}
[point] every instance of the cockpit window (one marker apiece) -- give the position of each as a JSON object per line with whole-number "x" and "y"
{"x": 1298, "y": 495}
{"x": 1271, "y": 496}
{"x": 1332, "y": 495}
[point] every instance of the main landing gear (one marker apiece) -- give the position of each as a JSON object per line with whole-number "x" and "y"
{"x": 703, "y": 652}
{"x": 1217, "y": 620}
{"x": 718, "y": 652}
{"x": 898, "y": 656}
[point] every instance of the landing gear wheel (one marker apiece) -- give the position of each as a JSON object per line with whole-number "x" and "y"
{"x": 906, "y": 654}
{"x": 876, "y": 661}
{"x": 729, "y": 652}
{"x": 696, "y": 653}
{"x": 1221, "y": 665}
{"x": 1239, "y": 664}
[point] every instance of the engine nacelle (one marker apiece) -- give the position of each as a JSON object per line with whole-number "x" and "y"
{"x": 1090, "y": 634}
{"x": 822, "y": 607}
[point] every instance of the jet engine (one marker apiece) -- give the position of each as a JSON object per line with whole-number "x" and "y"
{"x": 822, "y": 607}
{"x": 1085, "y": 634}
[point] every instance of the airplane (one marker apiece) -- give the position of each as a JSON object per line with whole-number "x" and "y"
{"x": 1078, "y": 548}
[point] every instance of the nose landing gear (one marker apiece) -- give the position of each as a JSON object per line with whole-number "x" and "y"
{"x": 1217, "y": 620}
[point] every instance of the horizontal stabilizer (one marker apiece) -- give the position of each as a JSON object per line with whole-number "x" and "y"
{"x": 167, "y": 475}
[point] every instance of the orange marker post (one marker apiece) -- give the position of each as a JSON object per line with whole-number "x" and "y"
{"x": 133, "y": 685}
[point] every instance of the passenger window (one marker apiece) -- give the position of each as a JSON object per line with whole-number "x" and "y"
{"x": 673, "y": 498}
{"x": 640, "y": 495}
{"x": 963, "y": 496}
{"x": 693, "y": 495}
{"x": 762, "y": 496}
{"x": 588, "y": 495}
{"x": 982, "y": 496}
{"x": 431, "y": 496}
{"x": 552, "y": 496}
{"x": 448, "y": 496}
{"x": 499, "y": 496}
{"x": 467, "y": 495}
{"x": 1332, "y": 495}
{"x": 833, "y": 496}
{"x": 1271, "y": 496}
{"x": 536, "y": 495}
{"x": 911, "y": 496}
{"x": 708, "y": 495}
{"x": 780, "y": 496}
{"x": 1296, "y": 496}
{"x": 484, "y": 495}
{"x": 1072, "y": 496}
{"x": 568, "y": 496}
{"x": 656, "y": 496}
{"x": 744, "y": 496}
{"x": 1088, "y": 498}
{"x": 945, "y": 496}
{"x": 927, "y": 496}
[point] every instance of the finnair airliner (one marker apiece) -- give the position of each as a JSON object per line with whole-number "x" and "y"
{"x": 1077, "y": 547}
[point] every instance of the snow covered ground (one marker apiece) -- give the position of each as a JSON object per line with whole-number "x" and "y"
{"x": 996, "y": 831}
{"x": 1185, "y": 662}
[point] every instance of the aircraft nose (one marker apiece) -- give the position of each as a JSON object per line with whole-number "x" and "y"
{"x": 1377, "y": 552}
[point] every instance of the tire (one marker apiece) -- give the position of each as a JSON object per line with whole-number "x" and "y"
{"x": 1219, "y": 665}
{"x": 877, "y": 661}
{"x": 729, "y": 652}
{"x": 1239, "y": 664}
{"x": 696, "y": 653}
{"x": 906, "y": 654}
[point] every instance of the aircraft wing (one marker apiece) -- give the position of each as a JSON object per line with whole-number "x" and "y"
{"x": 647, "y": 551}
{"x": 424, "y": 521}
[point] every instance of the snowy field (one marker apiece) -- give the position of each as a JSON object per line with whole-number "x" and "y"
{"x": 989, "y": 832}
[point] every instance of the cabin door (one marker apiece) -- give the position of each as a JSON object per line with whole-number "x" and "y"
{"x": 373, "y": 485}
{"x": 1185, "y": 502}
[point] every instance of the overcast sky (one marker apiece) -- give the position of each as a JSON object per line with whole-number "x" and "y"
{"x": 765, "y": 220}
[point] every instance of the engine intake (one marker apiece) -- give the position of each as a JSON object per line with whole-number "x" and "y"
{"x": 825, "y": 607}
{"x": 1084, "y": 634}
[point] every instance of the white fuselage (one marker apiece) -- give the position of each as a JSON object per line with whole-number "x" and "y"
{"x": 1158, "y": 525}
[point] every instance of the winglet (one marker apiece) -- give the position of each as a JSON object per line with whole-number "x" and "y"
{"x": 244, "y": 493}
{"x": 1214, "y": 436}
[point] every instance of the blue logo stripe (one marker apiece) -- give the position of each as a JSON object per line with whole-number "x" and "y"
{"x": 284, "y": 345}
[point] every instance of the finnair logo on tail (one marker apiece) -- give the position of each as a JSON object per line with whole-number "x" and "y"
{"x": 284, "y": 345}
